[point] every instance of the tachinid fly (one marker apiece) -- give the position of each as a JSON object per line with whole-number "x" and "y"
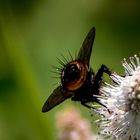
{"x": 78, "y": 80}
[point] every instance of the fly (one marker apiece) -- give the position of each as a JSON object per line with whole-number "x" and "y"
{"x": 78, "y": 80}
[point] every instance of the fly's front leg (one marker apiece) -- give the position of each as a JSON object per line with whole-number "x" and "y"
{"x": 98, "y": 77}
{"x": 103, "y": 69}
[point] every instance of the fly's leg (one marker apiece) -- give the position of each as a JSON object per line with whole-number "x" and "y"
{"x": 91, "y": 107}
{"x": 88, "y": 106}
{"x": 103, "y": 69}
{"x": 98, "y": 81}
{"x": 98, "y": 77}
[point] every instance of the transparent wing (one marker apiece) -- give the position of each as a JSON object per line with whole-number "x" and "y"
{"x": 86, "y": 49}
{"x": 57, "y": 97}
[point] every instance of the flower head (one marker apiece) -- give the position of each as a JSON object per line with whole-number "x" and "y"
{"x": 121, "y": 119}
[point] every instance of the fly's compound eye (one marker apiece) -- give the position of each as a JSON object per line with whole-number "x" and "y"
{"x": 73, "y": 75}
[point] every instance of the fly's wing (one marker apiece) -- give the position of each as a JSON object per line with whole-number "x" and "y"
{"x": 57, "y": 97}
{"x": 86, "y": 49}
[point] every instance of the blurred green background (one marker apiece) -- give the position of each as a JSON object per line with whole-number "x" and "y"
{"x": 33, "y": 33}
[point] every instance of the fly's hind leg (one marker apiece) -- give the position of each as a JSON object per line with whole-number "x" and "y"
{"x": 95, "y": 109}
{"x": 88, "y": 106}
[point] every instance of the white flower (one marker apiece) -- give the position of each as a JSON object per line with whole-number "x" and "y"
{"x": 121, "y": 119}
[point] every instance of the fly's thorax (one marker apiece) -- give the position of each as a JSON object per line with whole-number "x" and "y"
{"x": 74, "y": 75}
